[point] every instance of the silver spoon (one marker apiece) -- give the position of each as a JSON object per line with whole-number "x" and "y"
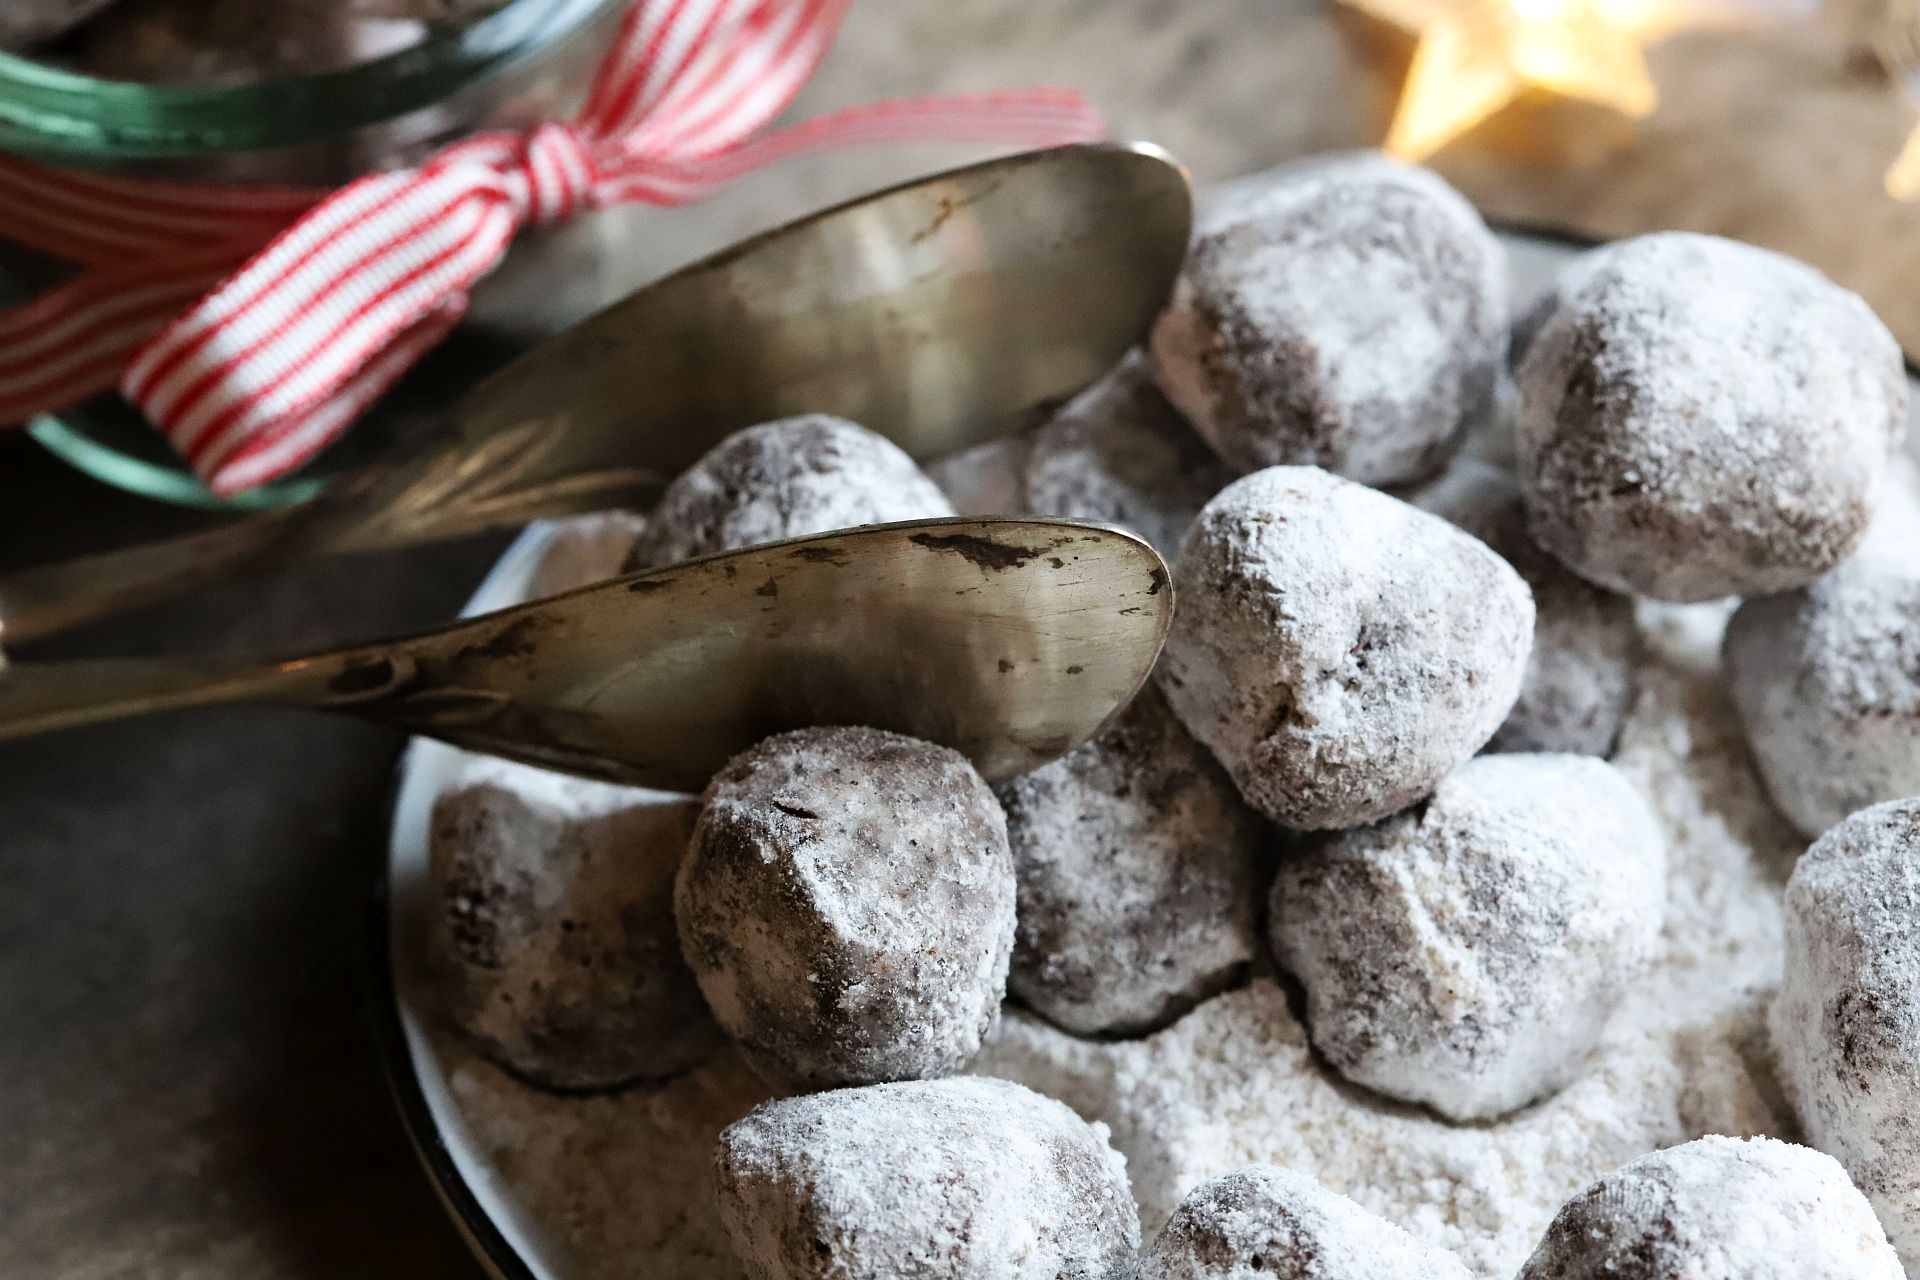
{"x": 942, "y": 313}
{"x": 1010, "y": 640}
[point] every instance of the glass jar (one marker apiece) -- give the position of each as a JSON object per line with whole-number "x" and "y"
{"x": 529, "y": 61}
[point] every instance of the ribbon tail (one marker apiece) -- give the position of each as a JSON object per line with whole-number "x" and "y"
{"x": 1020, "y": 118}
{"x": 71, "y": 343}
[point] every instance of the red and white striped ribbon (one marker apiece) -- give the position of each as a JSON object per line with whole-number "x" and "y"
{"x": 298, "y": 328}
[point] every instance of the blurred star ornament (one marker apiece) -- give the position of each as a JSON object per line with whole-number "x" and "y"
{"x": 1474, "y": 57}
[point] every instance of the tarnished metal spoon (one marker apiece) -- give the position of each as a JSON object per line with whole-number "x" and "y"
{"x": 941, "y": 313}
{"x": 1010, "y": 640}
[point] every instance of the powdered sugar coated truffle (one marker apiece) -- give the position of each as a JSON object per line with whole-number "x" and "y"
{"x": 585, "y": 549}
{"x": 786, "y": 479}
{"x": 1579, "y": 682}
{"x": 552, "y": 925}
{"x": 964, "y": 1179}
{"x": 1137, "y": 874}
{"x": 1827, "y": 682}
{"x": 1718, "y": 1209}
{"x": 28, "y": 22}
{"x": 1701, "y": 418}
{"x": 1119, "y": 452}
{"x": 238, "y": 41}
{"x": 1846, "y": 1024}
{"x": 847, "y": 903}
{"x": 1468, "y": 953}
{"x": 1267, "y": 1223}
{"x": 1339, "y": 651}
{"x": 1348, "y": 312}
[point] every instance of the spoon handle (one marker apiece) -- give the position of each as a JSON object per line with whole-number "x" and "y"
{"x": 433, "y": 485}
{"x": 37, "y": 602}
{"x": 45, "y": 697}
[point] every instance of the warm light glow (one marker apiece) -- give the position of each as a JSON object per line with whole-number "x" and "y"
{"x": 1476, "y": 56}
{"x": 1903, "y": 177}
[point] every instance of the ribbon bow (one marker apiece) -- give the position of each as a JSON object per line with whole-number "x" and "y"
{"x": 310, "y": 323}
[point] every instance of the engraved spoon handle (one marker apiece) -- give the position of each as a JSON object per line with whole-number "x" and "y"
{"x": 38, "y": 698}
{"x": 38, "y": 601}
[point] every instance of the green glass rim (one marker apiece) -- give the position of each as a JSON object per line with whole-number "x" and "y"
{"x": 50, "y": 113}
{"x": 163, "y": 482}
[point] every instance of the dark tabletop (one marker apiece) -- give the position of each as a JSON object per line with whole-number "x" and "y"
{"x": 189, "y": 1085}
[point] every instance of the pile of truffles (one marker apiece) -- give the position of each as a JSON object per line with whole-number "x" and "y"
{"x": 1372, "y": 764}
{"x": 222, "y": 42}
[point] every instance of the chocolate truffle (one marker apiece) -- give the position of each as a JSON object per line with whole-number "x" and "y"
{"x": 29, "y": 22}
{"x": 1827, "y": 683}
{"x": 847, "y": 903}
{"x": 585, "y": 549}
{"x": 1718, "y": 1209}
{"x": 1846, "y": 1024}
{"x": 552, "y": 930}
{"x": 1579, "y": 681}
{"x": 1348, "y": 312}
{"x": 786, "y": 479}
{"x": 965, "y": 1179}
{"x": 1701, "y": 418}
{"x": 228, "y": 42}
{"x": 1339, "y": 651}
{"x": 1120, "y": 453}
{"x": 1468, "y": 953}
{"x": 1137, "y": 869}
{"x": 1267, "y": 1223}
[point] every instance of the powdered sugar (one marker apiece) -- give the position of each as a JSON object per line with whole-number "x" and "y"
{"x": 1469, "y": 952}
{"x": 1757, "y": 1210}
{"x": 1235, "y": 1082}
{"x": 1265, "y": 1220}
{"x": 553, "y": 927}
{"x": 1348, "y": 312}
{"x": 786, "y": 479}
{"x": 1120, "y": 453}
{"x": 964, "y": 1179}
{"x": 1138, "y": 873}
{"x": 1338, "y": 650}
{"x": 1702, "y": 418}
{"x": 847, "y": 904}
{"x": 625, "y": 1180}
{"x": 1827, "y": 680}
{"x": 1579, "y": 680}
{"x": 1847, "y": 1024}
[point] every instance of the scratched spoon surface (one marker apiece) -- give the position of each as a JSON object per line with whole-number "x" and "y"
{"x": 1010, "y": 640}
{"x": 941, "y": 313}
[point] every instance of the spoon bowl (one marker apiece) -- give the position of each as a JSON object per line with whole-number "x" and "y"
{"x": 1010, "y": 640}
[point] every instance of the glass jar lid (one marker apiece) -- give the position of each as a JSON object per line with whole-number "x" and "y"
{"x": 61, "y": 116}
